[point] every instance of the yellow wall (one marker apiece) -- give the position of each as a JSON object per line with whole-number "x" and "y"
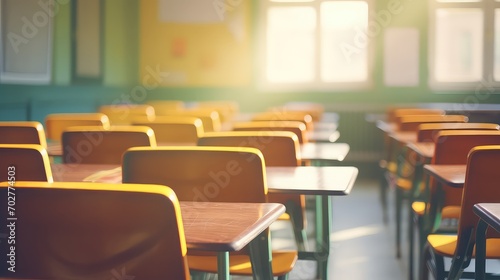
{"x": 195, "y": 54}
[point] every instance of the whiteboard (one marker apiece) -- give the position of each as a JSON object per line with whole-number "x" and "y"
{"x": 25, "y": 42}
{"x": 401, "y": 57}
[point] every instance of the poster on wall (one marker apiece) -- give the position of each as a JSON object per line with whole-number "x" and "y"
{"x": 195, "y": 43}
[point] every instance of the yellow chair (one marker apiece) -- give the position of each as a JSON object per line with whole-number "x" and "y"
{"x": 57, "y": 123}
{"x": 481, "y": 186}
{"x": 22, "y": 133}
{"x": 24, "y": 162}
{"x": 428, "y": 132}
{"x": 210, "y": 119}
{"x": 285, "y": 116}
{"x": 164, "y": 107}
{"x": 226, "y": 109}
{"x": 293, "y": 126}
{"x": 175, "y": 129}
{"x": 124, "y": 114}
{"x": 93, "y": 145}
{"x": 216, "y": 174}
{"x": 279, "y": 148}
{"x": 393, "y": 114}
{"x": 98, "y": 231}
{"x": 412, "y": 122}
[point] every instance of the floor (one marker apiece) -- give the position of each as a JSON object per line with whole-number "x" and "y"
{"x": 362, "y": 246}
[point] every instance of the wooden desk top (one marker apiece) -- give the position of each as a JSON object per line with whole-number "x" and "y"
{"x": 324, "y": 151}
{"x": 314, "y": 180}
{"x": 404, "y": 137}
{"x": 451, "y": 175}
{"x": 214, "y": 226}
{"x": 423, "y": 149}
{"x": 311, "y": 180}
{"x": 386, "y": 127}
{"x": 323, "y": 136}
{"x": 490, "y": 213}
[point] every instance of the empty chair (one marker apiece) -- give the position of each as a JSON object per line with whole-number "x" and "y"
{"x": 411, "y": 123}
{"x": 302, "y": 117}
{"x": 93, "y": 145}
{"x": 210, "y": 119}
{"x": 175, "y": 129}
{"x": 216, "y": 174}
{"x": 394, "y": 114}
{"x": 226, "y": 109}
{"x": 124, "y": 114}
{"x": 56, "y": 123}
{"x": 481, "y": 186}
{"x": 293, "y": 126}
{"x": 22, "y": 133}
{"x": 279, "y": 148}
{"x": 24, "y": 162}
{"x": 428, "y": 132}
{"x": 97, "y": 231}
{"x": 164, "y": 107}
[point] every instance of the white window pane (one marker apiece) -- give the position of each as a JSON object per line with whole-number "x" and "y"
{"x": 401, "y": 57}
{"x": 497, "y": 44}
{"x": 459, "y": 45}
{"x": 291, "y": 44}
{"x": 344, "y": 41}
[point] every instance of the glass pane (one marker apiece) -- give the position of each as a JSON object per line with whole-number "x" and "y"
{"x": 291, "y": 44}
{"x": 497, "y": 44}
{"x": 459, "y": 45}
{"x": 344, "y": 41}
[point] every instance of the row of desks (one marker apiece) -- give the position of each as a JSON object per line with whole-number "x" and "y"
{"x": 309, "y": 180}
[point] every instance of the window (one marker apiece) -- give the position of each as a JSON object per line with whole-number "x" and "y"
{"x": 316, "y": 44}
{"x": 26, "y": 41}
{"x": 465, "y": 44}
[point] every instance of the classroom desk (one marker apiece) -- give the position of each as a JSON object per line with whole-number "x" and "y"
{"x": 451, "y": 175}
{"x": 243, "y": 223}
{"x": 423, "y": 149}
{"x": 489, "y": 216}
{"x": 324, "y": 181}
{"x": 308, "y": 151}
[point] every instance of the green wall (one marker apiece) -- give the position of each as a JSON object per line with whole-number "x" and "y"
{"x": 120, "y": 67}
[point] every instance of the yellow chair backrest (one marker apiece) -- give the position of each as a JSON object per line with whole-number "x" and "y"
{"x": 428, "y": 132}
{"x": 93, "y": 145}
{"x": 226, "y": 109}
{"x": 124, "y": 114}
{"x": 175, "y": 129}
{"x": 22, "y": 133}
{"x": 164, "y": 107}
{"x": 286, "y": 116}
{"x": 210, "y": 118}
{"x": 279, "y": 148}
{"x": 412, "y": 122}
{"x": 98, "y": 231}
{"x": 56, "y": 123}
{"x": 24, "y": 162}
{"x": 293, "y": 126}
{"x": 221, "y": 174}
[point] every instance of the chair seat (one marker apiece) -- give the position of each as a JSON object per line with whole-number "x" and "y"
{"x": 445, "y": 245}
{"x": 283, "y": 262}
{"x": 448, "y": 212}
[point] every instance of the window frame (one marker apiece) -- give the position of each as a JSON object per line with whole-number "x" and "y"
{"x": 317, "y": 85}
{"x": 488, "y": 57}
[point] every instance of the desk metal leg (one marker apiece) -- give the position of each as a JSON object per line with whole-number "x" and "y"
{"x": 223, "y": 265}
{"x": 323, "y": 218}
{"x": 481, "y": 250}
{"x": 261, "y": 257}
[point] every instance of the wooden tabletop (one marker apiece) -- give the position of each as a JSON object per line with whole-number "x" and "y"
{"x": 226, "y": 226}
{"x": 404, "y": 137}
{"x": 423, "y": 149}
{"x": 324, "y": 151}
{"x": 313, "y": 180}
{"x": 451, "y": 175}
{"x": 490, "y": 213}
{"x": 323, "y": 136}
